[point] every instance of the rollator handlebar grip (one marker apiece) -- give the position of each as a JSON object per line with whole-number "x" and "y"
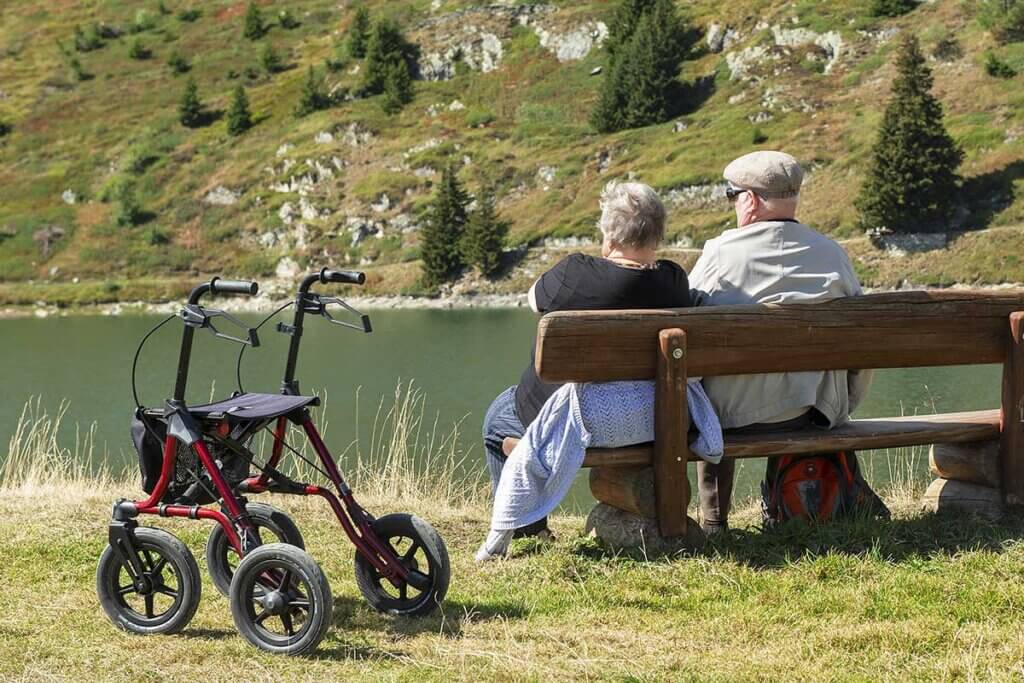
{"x": 219, "y": 286}
{"x": 349, "y": 277}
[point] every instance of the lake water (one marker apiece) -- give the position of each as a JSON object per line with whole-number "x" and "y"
{"x": 459, "y": 359}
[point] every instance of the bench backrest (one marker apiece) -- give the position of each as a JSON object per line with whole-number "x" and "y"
{"x": 890, "y": 330}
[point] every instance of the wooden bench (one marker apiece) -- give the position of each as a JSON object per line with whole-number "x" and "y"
{"x": 891, "y": 330}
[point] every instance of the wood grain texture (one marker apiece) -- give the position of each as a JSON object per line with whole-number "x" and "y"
{"x": 1011, "y": 447}
{"x": 671, "y": 424}
{"x": 626, "y": 488}
{"x": 976, "y": 462}
{"x": 903, "y": 329}
{"x": 890, "y": 432}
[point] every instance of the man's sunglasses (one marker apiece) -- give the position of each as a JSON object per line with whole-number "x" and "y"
{"x": 732, "y": 193}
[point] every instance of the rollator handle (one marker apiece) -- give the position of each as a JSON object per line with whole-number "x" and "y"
{"x": 347, "y": 277}
{"x": 220, "y": 286}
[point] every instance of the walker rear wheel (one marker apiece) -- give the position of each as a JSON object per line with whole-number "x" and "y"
{"x": 422, "y": 551}
{"x": 221, "y": 558}
{"x": 280, "y": 599}
{"x": 163, "y": 598}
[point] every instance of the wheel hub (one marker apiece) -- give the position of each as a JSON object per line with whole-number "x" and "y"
{"x": 275, "y": 602}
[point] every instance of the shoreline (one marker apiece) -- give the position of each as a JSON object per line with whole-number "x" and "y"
{"x": 273, "y": 299}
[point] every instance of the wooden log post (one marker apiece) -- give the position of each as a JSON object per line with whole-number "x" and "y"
{"x": 1011, "y": 451}
{"x": 671, "y": 424}
{"x": 627, "y": 488}
{"x": 976, "y": 462}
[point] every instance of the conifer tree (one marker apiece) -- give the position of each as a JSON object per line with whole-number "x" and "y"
{"x": 485, "y": 236}
{"x": 313, "y": 97}
{"x": 1004, "y": 18}
{"x": 646, "y": 45}
{"x": 912, "y": 183}
{"x": 190, "y": 110}
{"x": 270, "y": 60}
{"x": 442, "y": 232}
{"x": 129, "y": 212}
{"x": 359, "y": 33}
{"x": 178, "y": 63}
{"x": 397, "y": 87}
{"x": 387, "y": 46}
{"x": 892, "y": 8}
{"x": 254, "y": 27}
{"x": 239, "y": 117}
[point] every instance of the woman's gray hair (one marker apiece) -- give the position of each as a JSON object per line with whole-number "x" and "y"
{"x": 631, "y": 215}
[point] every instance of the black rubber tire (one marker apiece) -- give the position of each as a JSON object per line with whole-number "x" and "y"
{"x": 219, "y": 553}
{"x": 300, "y": 580}
{"x": 170, "y": 558}
{"x": 417, "y": 544}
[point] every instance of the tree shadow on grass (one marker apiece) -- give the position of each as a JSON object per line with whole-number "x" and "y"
{"x": 686, "y": 98}
{"x": 989, "y": 194}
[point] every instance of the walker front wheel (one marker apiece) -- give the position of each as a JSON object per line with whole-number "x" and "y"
{"x": 221, "y": 558}
{"x": 421, "y": 550}
{"x": 280, "y": 599}
{"x": 163, "y": 598}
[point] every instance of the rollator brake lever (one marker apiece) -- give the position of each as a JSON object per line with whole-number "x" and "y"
{"x": 317, "y": 304}
{"x": 200, "y": 318}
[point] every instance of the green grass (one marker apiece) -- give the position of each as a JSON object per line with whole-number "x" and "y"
{"x": 921, "y": 597}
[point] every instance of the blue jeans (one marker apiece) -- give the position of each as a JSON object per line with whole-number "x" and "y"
{"x": 500, "y": 422}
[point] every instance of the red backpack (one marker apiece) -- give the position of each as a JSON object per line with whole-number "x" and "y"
{"x": 816, "y": 488}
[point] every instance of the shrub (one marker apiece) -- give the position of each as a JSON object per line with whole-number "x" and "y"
{"x": 144, "y": 21}
{"x": 313, "y": 97}
{"x": 891, "y": 8}
{"x": 190, "y": 110}
{"x": 287, "y": 20}
{"x": 129, "y": 211}
{"x": 948, "y": 50}
{"x": 270, "y": 60}
{"x": 912, "y": 182}
{"x": 162, "y": 8}
{"x": 239, "y": 118}
{"x": 997, "y": 68}
{"x": 484, "y": 236}
{"x": 477, "y": 118}
{"x": 440, "y": 239}
{"x": 253, "y": 27}
{"x": 89, "y": 39}
{"x": 1003, "y": 18}
{"x": 138, "y": 50}
{"x": 178, "y": 63}
{"x": 758, "y": 137}
{"x": 359, "y": 33}
{"x": 189, "y": 15}
{"x": 5, "y": 129}
{"x": 78, "y": 72}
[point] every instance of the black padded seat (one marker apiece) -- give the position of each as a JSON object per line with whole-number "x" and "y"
{"x": 254, "y": 406}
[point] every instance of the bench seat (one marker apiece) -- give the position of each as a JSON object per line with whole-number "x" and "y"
{"x": 892, "y": 432}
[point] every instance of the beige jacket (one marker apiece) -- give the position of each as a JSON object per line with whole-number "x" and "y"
{"x": 776, "y": 262}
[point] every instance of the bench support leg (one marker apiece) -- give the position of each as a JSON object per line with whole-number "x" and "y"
{"x": 671, "y": 424}
{"x": 1011, "y": 443}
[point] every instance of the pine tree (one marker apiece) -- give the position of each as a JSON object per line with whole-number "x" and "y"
{"x": 442, "y": 233}
{"x": 190, "y": 110}
{"x": 485, "y": 236}
{"x": 359, "y": 33}
{"x": 387, "y": 46}
{"x": 270, "y": 60}
{"x": 178, "y": 63}
{"x": 892, "y": 8}
{"x": 648, "y": 42}
{"x": 912, "y": 183}
{"x": 138, "y": 50}
{"x": 1004, "y": 18}
{"x": 129, "y": 212}
{"x": 239, "y": 117}
{"x": 397, "y": 87}
{"x": 254, "y": 27}
{"x": 313, "y": 98}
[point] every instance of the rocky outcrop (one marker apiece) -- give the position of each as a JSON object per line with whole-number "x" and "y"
{"x": 752, "y": 60}
{"x": 719, "y": 37}
{"x": 574, "y": 44}
{"x": 221, "y": 196}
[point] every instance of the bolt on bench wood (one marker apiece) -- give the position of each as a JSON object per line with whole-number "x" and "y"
{"x": 890, "y": 330}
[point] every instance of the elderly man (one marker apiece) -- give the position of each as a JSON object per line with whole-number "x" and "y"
{"x": 770, "y": 258}
{"x": 627, "y": 275}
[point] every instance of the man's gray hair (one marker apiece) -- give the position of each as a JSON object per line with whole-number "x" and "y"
{"x": 631, "y": 215}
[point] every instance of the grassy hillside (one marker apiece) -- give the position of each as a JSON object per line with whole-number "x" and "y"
{"x": 310, "y": 189}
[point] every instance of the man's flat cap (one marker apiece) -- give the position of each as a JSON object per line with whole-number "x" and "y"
{"x": 774, "y": 175}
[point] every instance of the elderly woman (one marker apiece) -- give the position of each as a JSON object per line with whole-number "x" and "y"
{"x": 626, "y": 275}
